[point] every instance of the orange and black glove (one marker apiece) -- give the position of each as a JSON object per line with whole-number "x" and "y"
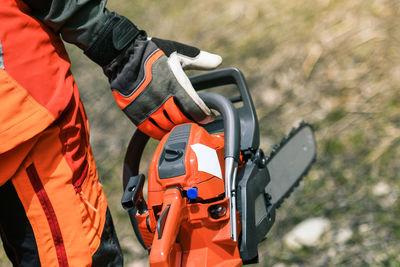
{"x": 148, "y": 79}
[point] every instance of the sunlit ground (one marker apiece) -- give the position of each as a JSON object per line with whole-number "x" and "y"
{"x": 335, "y": 64}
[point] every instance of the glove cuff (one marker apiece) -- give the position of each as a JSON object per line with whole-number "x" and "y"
{"x": 112, "y": 38}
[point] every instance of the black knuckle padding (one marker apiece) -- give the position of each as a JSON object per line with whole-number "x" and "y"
{"x": 112, "y": 38}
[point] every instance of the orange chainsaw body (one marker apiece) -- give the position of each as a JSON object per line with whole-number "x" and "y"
{"x": 212, "y": 192}
{"x": 183, "y": 229}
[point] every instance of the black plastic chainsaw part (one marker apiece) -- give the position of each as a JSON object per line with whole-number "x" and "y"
{"x": 257, "y": 215}
{"x": 133, "y": 193}
{"x": 255, "y": 202}
{"x": 172, "y": 160}
{"x": 249, "y": 129}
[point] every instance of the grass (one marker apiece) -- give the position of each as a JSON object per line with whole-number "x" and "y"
{"x": 332, "y": 63}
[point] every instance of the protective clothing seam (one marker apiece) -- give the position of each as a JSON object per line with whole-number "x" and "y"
{"x": 1, "y": 57}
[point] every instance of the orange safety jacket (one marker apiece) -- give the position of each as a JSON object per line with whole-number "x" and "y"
{"x": 44, "y": 146}
{"x": 36, "y": 84}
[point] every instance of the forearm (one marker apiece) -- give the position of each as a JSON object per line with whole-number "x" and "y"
{"x": 87, "y": 24}
{"x": 78, "y": 21}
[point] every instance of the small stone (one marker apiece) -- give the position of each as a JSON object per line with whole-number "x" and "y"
{"x": 331, "y": 252}
{"x": 307, "y": 233}
{"x": 343, "y": 235}
{"x": 272, "y": 97}
{"x": 381, "y": 189}
{"x": 364, "y": 228}
{"x": 279, "y": 264}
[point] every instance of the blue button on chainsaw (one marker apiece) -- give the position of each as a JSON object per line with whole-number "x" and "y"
{"x": 192, "y": 193}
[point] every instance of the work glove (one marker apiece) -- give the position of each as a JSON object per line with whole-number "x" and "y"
{"x": 149, "y": 83}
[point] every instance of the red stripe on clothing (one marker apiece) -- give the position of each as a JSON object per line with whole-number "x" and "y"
{"x": 83, "y": 169}
{"x": 50, "y": 215}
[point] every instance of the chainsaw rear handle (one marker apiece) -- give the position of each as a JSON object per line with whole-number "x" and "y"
{"x": 131, "y": 169}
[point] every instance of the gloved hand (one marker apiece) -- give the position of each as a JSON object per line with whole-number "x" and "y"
{"x": 147, "y": 76}
{"x": 150, "y": 86}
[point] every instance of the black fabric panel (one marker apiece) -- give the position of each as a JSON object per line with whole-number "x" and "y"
{"x": 171, "y": 46}
{"x": 39, "y": 6}
{"x": 127, "y": 71}
{"x": 15, "y": 229}
{"x": 152, "y": 98}
{"x": 109, "y": 253}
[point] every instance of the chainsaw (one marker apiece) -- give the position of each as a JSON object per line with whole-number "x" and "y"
{"x": 212, "y": 193}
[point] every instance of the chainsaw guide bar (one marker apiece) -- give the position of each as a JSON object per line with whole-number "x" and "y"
{"x": 275, "y": 151}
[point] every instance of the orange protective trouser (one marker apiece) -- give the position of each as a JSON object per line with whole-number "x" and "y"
{"x": 53, "y": 211}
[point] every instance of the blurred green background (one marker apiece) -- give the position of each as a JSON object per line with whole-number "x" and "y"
{"x": 335, "y": 64}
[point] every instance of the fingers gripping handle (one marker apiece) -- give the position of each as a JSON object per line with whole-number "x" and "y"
{"x": 232, "y": 146}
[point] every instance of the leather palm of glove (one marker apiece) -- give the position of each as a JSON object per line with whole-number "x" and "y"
{"x": 150, "y": 85}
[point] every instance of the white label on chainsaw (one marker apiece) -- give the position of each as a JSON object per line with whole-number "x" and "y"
{"x": 207, "y": 160}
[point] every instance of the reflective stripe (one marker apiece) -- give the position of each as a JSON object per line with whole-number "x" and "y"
{"x": 1, "y": 57}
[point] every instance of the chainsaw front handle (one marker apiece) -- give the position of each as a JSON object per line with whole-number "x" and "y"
{"x": 230, "y": 117}
{"x": 231, "y": 122}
